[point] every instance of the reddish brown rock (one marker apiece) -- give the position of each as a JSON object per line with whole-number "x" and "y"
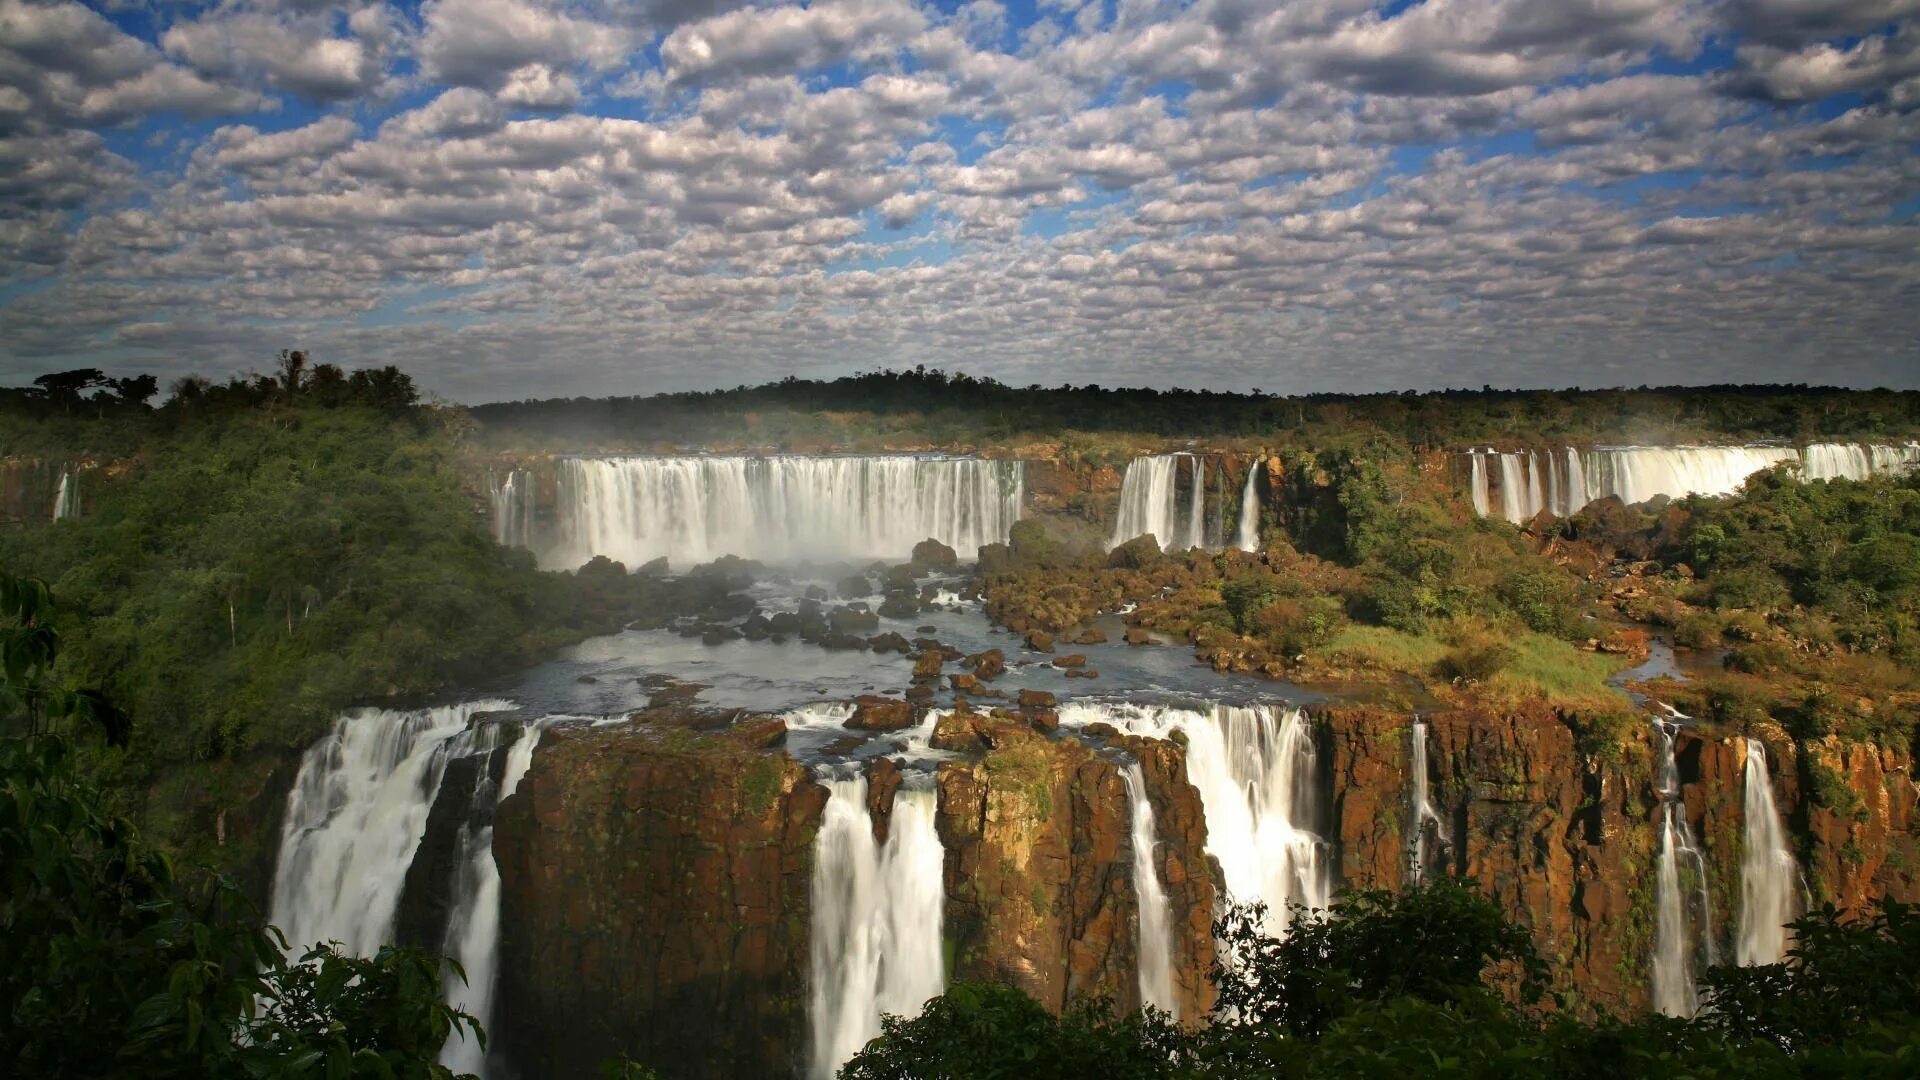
{"x": 1036, "y": 699}
{"x": 928, "y": 665}
{"x": 871, "y": 713}
{"x": 654, "y": 902}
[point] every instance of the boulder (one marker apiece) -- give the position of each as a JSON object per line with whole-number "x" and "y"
{"x": 931, "y": 554}
{"x": 888, "y": 642}
{"x": 1091, "y": 636}
{"x": 928, "y": 665}
{"x": 1036, "y": 699}
{"x": 1139, "y": 552}
{"x": 988, "y": 665}
{"x": 1040, "y": 641}
{"x": 873, "y": 713}
{"x": 854, "y": 586}
{"x": 1138, "y": 636}
{"x": 1072, "y": 660}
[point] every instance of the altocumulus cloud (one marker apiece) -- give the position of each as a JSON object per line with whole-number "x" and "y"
{"x": 537, "y": 197}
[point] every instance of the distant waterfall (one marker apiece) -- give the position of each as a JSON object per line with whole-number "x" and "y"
{"x": 1156, "y": 919}
{"x": 66, "y": 498}
{"x": 1682, "y": 913}
{"x": 473, "y": 931}
{"x": 1769, "y": 877}
{"x": 513, "y": 510}
{"x": 1257, "y": 773}
{"x": 1248, "y": 536}
{"x": 1427, "y": 826}
{"x": 355, "y": 818}
{"x": 876, "y": 919}
{"x": 1150, "y": 502}
{"x": 1563, "y": 482}
{"x": 779, "y": 508}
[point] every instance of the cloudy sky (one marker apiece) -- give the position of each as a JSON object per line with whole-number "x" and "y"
{"x": 550, "y": 197}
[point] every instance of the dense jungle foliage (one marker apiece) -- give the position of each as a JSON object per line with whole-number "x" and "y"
{"x": 1344, "y": 996}
{"x": 930, "y": 407}
{"x": 270, "y": 551}
{"x": 113, "y": 967}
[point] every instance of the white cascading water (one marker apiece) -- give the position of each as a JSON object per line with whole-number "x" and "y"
{"x": 1156, "y": 918}
{"x": 1150, "y": 503}
{"x": 355, "y": 817}
{"x": 66, "y": 498}
{"x": 876, "y": 944}
{"x": 473, "y": 929}
{"x": 1769, "y": 876}
{"x": 1562, "y": 483}
{"x": 1257, "y": 773}
{"x": 780, "y": 508}
{"x": 513, "y": 510}
{"x": 1426, "y": 820}
{"x": 1681, "y": 914}
{"x": 1247, "y": 538}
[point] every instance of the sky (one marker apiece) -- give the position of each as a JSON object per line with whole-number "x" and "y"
{"x": 541, "y": 198}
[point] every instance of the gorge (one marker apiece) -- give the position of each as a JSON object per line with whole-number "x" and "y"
{"x": 854, "y": 728}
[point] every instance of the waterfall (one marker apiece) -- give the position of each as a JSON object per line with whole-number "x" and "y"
{"x": 355, "y": 817}
{"x": 1156, "y": 920}
{"x": 1150, "y": 503}
{"x": 473, "y": 931}
{"x": 1681, "y": 913}
{"x": 1477, "y": 484}
{"x": 1768, "y": 875}
{"x": 513, "y": 510}
{"x": 876, "y": 919}
{"x": 780, "y": 508}
{"x": 1257, "y": 773}
{"x": 1638, "y": 473}
{"x": 1248, "y": 535}
{"x": 1426, "y": 820}
{"x": 66, "y": 498}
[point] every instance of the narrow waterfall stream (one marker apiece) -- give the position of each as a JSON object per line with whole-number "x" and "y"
{"x": 1156, "y": 919}
{"x": 1769, "y": 876}
{"x": 1681, "y": 912}
{"x": 1257, "y": 773}
{"x": 66, "y": 498}
{"x": 1427, "y": 828}
{"x": 1247, "y": 536}
{"x": 877, "y": 912}
{"x": 473, "y": 930}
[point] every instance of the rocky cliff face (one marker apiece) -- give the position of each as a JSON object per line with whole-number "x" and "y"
{"x": 1039, "y": 876}
{"x": 654, "y": 888}
{"x": 1567, "y": 840}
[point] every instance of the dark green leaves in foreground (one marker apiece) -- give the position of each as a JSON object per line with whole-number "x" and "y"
{"x": 1435, "y": 982}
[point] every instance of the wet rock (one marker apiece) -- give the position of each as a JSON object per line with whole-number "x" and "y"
{"x": 899, "y": 577}
{"x": 1091, "y": 636}
{"x": 848, "y": 620}
{"x": 843, "y": 642}
{"x": 929, "y": 665}
{"x": 588, "y": 679}
{"x": 654, "y": 568}
{"x": 853, "y": 587}
{"x": 1072, "y": 660}
{"x": 760, "y": 732}
{"x": 1036, "y": 699}
{"x": 888, "y": 642}
{"x": 896, "y": 606}
{"x": 1100, "y": 729}
{"x": 1138, "y": 636}
{"x": 964, "y": 683}
{"x": 931, "y": 554}
{"x": 926, "y": 629}
{"x": 988, "y": 665}
{"x": 1045, "y": 721}
{"x": 816, "y": 593}
{"x": 756, "y": 628}
{"x": 872, "y": 713}
{"x": 715, "y": 635}
{"x": 920, "y": 693}
{"x": 1040, "y": 641}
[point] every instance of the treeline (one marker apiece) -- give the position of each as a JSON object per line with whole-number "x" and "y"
{"x": 966, "y": 408}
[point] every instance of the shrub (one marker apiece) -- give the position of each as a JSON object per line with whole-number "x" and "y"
{"x": 1697, "y": 630}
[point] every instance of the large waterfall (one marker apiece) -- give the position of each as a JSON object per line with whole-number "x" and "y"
{"x": 1156, "y": 919}
{"x": 1247, "y": 537}
{"x": 876, "y": 919}
{"x": 1561, "y": 482}
{"x": 1681, "y": 912}
{"x": 1150, "y": 502}
{"x": 1427, "y": 828}
{"x": 779, "y": 508}
{"x": 1769, "y": 877}
{"x": 1257, "y": 773}
{"x": 355, "y": 819}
